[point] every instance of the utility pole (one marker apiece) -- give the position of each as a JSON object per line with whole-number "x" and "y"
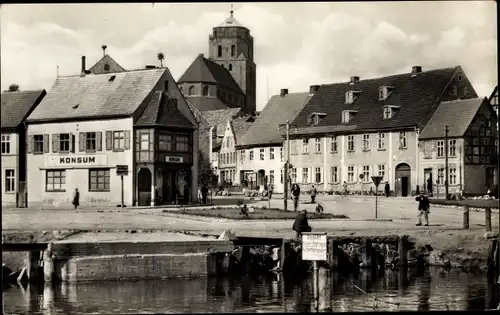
{"x": 446, "y": 161}
{"x": 287, "y": 164}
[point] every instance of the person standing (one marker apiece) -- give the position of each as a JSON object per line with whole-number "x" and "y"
{"x": 76, "y": 198}
{"x": 204, "y": 192}
{"x": 295, "y": 194}
{"x": 313, "y": 193}
{"x": 270, "y": 190}
{"x": 423, "y": 209}
{"x": 387, "y": 189}
{"x": 301, "y": 225}
{"x": 344, "y": 186}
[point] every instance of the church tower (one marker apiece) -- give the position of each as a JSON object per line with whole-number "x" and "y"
{"x": 231, "y": 46}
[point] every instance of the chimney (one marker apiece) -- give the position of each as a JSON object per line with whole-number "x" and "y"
{"x": 416, "y": 70}
{"x": 283, "y": 92}
{"x": 104, "y": 50}
{"x": 201, "y": 55}
{"x": 83, "y": 67}
{"x": 313, "y": 89}
{"x": 354, "y": 80}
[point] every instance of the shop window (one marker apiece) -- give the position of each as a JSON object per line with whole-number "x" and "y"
{"x": 144, "y": 141}
{"x": 99, "y": 179}
{"x": 55, "y": 180}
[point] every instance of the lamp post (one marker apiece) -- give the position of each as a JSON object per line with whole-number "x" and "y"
{"x": 446, "y": 160}
{"x": 287, "y": 126}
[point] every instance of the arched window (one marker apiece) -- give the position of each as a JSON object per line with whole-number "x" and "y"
{"x": 230, "y": 67}
{"x": 219, "y": 51}
{"x": 191, "y": 90}
{"x": 205, "y": 90}
{"x": 233, "y": 50}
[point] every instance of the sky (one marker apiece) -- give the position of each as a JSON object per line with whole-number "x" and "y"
{"x": 296, "y": 44}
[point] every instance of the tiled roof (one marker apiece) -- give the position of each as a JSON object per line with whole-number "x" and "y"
{"x": 240, "y": 127}
{"x": 205, "y": 70}
{"x": 97, "y": 95}
{"x": 416, "y": 97}
{"x": 204, "y": 103}
{"x": 160, "y": 112}
{"x": 98, "y": 68}
{"x": 458, "y": 115}
{"x": 219, "y": 118}
{"x": 17, "y": 105}
{"x": 264, "y": 130}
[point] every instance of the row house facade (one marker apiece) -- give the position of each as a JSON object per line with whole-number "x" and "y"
{"x": 16, "y": 107}
{"x": 90, "y": 125}
{"x": 350, "y": 131}
{"x": 260, "y": 154}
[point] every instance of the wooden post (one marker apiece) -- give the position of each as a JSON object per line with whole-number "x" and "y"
{"x": 316, "y": 286}
{"x": 283, "y": 254}
{"x": 48, "y": 264}
{"x": 402, "y": 251}
{"x": 32, "y": 265}
{"x": 466, "y": 217}
{"x": 367, "y": 255}
{"x": 333, "y": 250}
{"x": 487, "y": 217}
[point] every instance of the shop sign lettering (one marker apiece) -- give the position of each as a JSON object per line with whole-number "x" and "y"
{"x": 76, "y": 161}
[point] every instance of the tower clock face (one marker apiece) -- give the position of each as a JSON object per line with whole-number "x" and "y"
{"x": 226, "y": 49}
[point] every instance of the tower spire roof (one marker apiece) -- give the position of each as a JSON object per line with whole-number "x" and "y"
{"x": 230, "y": 21}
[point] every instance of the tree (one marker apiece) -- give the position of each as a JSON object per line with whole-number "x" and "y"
{"x": 13, "y": 88}
{"x": 161, "y": 57}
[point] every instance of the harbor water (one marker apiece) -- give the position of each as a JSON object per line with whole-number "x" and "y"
{"x": 390, "y": 290}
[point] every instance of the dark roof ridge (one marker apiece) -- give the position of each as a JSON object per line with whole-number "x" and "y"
{"x": 108, "y": 73}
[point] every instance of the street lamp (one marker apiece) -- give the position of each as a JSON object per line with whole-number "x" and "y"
{"x": 287, "y": 126}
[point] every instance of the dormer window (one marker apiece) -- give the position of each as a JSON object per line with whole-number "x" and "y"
{"x": 347, "y": 115}
{"x": 384, "y": 92}
{"x": 388, "y": 111}
{"x": 315, "y": 118}
{"x": 350, "y": 96}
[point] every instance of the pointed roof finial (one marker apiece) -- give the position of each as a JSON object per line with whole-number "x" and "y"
{"x": 232, "y": 11}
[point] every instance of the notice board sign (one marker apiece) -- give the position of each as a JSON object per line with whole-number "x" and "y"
{"x": 314, "y": 246}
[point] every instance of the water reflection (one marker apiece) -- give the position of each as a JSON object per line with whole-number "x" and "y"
{"x": 420, "y": 290}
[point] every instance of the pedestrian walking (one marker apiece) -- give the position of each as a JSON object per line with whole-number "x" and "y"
{"x": 270, "y": 190}
{"x": 204, "y": 192}
{"x": 301, "y": 225}
{"x": 387, "y": 189}
{"x": 76, "y": 198}
{"x": 295, "y": 195}
{"x": 313, "y": 193}
{"x": 423, "y": 209}
{"x": 344, "y": 186}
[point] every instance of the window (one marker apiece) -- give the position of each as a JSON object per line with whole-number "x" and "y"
{"x": 440, "y": 176}
{"x": 350, "y": 174}
{"x": 144, "y": 140}
{"x": 38, "y": 145}
{"x": 317, "y": 145}
{"x": 251, "y": 155}
{"x": 387, "y": 112}
{"x": 230, "y": 67}
{"x": 242, "y": 156}
{"x": 182, "y": 143}
{"x": 106, "y": 67}
{"x": 305, "y": 175}
{"x": 381, "y": 141}
{"x": 118, "y": 140}
{"x": 6, "y": 144}
{"x": 305, "y": 145}
{"x": 366, "y": 173}
{"x": 452, "y": 148}
{"x": 294, "y": 144}
{"x": 366, "y": 142}
{"x": 349, "y": 97}
{"x": 382, "y": 93}
{"x": 165, "y": 142}
{"x": 10, "y": 182}
{"x": 233, "y": 50}
{"x": 403, "y": 144}
{"x": 191, "y": 90}
{"x": 55, "y": 180}
{"x": 205, "y": 90}
{"x": 381, "y": 170}
{"x": 317, "y": 173}
{"x": 334, "y": 148}
{"x": 271, "y": 153}
{"x": 90, "y": 141}
{"x": 64, "y": 141}
{"x": 271, "y": 176}
{"x": 219, "y": 51}
{"x": 281, "y": 176}
{"x": 350, "y": 143}
{"x": 346, "y": 116}
{"x": 281, "y": 154}
{"x": 335, "y": 174}
{"x": 440, "y": 148}
{"x": 293, "y": 175}
{"x": 262, "y": 154}
{"x": 453, "y": 176}
{"x": 315, "y": 119}
{"x": 99, "y": 180}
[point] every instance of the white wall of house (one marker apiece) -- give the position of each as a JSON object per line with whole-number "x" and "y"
{"x": 10, "y": 168}
{"x": 77, "y": 166}
{"x": 269, "y": 159}
{"x": 227, "y": 157}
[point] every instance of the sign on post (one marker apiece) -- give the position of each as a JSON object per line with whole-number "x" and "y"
{"x": 376, "y": 180}
{"x": 361, "y": 176}
{"x": 122, "y": 170}
{"x": 314, "y": 246}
